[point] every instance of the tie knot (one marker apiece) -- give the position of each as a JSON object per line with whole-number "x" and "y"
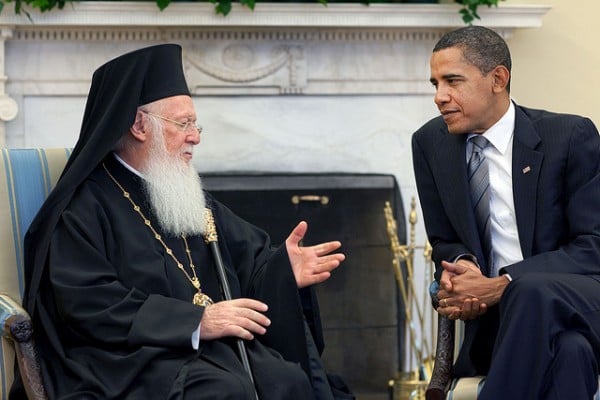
{"x": 480, "y": 141}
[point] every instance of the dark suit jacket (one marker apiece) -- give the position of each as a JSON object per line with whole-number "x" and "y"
{"x": 556, "y": 189}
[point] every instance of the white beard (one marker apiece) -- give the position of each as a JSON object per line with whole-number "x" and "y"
{"x": 175, "y": 191}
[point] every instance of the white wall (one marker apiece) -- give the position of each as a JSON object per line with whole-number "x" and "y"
{"x": 556, "y": 66}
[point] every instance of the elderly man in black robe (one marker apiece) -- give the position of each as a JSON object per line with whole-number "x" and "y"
{"x": 121, "y": 283}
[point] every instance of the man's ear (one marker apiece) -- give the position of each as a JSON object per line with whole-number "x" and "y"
{"x": 501, "y": 77}
{"x": 139, "y": 129}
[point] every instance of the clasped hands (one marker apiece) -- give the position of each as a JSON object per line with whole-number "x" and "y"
{"x": 465, "y": 293}
{"x": 245, "y": 317}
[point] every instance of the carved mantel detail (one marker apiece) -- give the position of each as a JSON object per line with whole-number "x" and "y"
{"x": 312, "y": 15}
{"x": 277, "y": 49}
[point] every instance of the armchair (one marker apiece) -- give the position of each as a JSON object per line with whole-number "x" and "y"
{"x": 442, "y": 385}
{"x": 26, "y": 178}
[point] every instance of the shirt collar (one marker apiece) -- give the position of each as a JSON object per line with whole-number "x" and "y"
{"x": 129, "y": 167}
{"x": 500, "y": 134}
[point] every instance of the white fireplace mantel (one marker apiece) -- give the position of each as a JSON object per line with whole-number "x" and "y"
{"x": 277, "y": 48}
{"x": 306, "y": 84}
{"x": 279, "y": 15}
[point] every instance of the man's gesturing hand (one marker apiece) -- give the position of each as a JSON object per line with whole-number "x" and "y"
{"x": 311, "y": 264}
{"x": 239, "y": 317}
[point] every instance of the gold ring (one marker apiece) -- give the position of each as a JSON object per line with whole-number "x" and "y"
{"x": 444, "y": 302}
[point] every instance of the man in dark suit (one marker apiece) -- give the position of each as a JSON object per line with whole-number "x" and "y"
{"x": 518, "y": 255}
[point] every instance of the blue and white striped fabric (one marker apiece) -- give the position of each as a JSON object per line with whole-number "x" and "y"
{"x": 469, "y": 388}
{"x": 26, "y": 178}
{"x": 465, "y": 388}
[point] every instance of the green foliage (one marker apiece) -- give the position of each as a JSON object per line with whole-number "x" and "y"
{"x": 162, "y": 4}
{"x": 469, "y": 9}
{"x": 224, "y": 6}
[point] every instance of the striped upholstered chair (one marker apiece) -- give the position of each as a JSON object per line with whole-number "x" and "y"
{"x": 26, "y": 178}
{"x": 442, "y": 386}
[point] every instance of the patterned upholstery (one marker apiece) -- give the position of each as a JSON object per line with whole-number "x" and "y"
{"x": 465, "y": 388}
{"x": 469, "y": 388}
{"x": 26, "y": 178}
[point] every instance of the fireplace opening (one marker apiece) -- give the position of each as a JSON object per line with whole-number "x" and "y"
{"x": 361, "y": 311}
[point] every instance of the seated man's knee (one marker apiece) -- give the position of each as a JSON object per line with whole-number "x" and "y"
{"x": 531, "y": 289}
{"x": 287, "y": 381}
{"x": 574, "y": 370}
{"x": 526, "y": 287}
{"x": 213, "y": 383}
{"x": 572, "y": 345}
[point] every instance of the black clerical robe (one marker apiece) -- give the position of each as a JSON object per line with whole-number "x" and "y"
{"x": 117, "y": 313}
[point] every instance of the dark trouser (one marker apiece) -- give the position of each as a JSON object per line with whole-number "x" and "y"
{"x": 222, "y": 376}
{"x": 548, "y": 342}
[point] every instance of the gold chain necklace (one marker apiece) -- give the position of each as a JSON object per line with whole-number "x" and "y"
{"x": 200, "y": 299}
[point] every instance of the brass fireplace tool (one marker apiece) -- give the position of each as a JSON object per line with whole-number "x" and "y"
{"x": 411, "y": 380}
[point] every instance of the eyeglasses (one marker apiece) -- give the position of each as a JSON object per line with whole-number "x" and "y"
{"x": 185, "y": 126}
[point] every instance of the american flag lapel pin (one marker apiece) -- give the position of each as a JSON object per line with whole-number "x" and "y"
{"x": 526, "y": 169}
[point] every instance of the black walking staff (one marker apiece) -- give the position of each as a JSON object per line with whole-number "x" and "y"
{"x": 211, "y": 239}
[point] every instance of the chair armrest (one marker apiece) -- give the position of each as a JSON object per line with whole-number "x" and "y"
{"x": 18, "y": 329}
{"x": 444, "y": 357}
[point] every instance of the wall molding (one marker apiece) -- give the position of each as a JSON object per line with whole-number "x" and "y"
{"x": 280, "y": 15}
{"x": 294, "y": 49}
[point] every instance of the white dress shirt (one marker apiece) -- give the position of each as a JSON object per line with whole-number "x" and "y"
{"x": 506, "y": 249}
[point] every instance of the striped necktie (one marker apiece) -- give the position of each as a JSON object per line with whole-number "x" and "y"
{"x": 479, "y": 183}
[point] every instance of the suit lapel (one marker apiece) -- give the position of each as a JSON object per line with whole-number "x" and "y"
{"x": 451, "y": 150}
{"x": 526, "y": 170}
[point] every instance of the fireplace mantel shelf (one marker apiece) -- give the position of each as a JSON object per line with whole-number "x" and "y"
{"x": 135, "y": 14}
{"x": 303, "y": 49}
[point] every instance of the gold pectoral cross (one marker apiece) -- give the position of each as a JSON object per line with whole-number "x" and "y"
{"x": 201, "y": 299}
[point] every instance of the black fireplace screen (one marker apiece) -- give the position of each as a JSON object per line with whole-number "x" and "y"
{"x": 361, "y": 311}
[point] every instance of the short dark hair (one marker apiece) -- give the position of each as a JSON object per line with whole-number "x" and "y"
{"x": 481, "y": 47}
